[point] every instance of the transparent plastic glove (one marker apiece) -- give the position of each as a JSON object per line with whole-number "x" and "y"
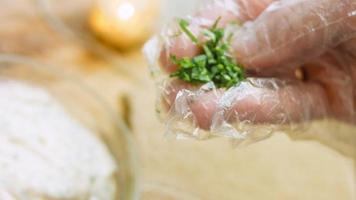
{"x": 300, "y": 57}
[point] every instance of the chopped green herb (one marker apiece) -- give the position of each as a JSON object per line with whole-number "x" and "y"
{"x": 214, "y": 64}
{"x": 184, "y": 26}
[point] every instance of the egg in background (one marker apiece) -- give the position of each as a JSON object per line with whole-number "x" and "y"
{"x": 124, "y": 24}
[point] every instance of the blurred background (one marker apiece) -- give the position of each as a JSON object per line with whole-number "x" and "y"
{"x": 87, "y": 55}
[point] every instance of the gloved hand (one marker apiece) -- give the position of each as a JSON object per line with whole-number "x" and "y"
{"x": 300, "y": 57}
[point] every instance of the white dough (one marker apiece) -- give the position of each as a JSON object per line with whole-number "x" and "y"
{"x": 46, "y": 154}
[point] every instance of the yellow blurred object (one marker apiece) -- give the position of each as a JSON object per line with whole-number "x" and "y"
{"x": 124, "y": 23}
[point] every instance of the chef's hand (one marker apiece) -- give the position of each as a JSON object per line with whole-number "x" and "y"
{"x": 299, "y": 54}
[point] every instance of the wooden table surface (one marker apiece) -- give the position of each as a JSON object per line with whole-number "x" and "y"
{"x": 274, "y": 169}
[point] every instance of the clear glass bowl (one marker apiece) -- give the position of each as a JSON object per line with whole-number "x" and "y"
{"x": 69, "y": 19}
{"x": 72, "y": 19}
{"x": 82, "y": 103}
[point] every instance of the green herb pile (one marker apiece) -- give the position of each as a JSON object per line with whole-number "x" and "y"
{"x": 214, "y": 64}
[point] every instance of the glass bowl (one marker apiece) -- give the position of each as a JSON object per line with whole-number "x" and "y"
{"x": 73, "y": 19}
{"x": 69, "y": 19}
{"x": 87, "y": 108}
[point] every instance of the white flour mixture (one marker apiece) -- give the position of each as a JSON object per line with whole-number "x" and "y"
{"x": 46, "y": 154}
